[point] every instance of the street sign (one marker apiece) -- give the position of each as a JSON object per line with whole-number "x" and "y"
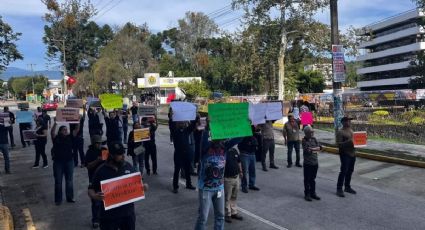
{"x": 338, "y": 63}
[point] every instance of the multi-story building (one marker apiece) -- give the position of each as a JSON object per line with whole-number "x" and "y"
{"x": 390, "y": 46}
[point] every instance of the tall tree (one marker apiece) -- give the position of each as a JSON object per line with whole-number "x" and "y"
{"x": 293, "y": 14}
{"x": 310, "y": 82}
{"x": 8, "y": 49}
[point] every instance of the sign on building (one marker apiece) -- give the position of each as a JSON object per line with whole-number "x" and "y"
{"x": 338, "y": 63}
{"x": 152, "y": 80}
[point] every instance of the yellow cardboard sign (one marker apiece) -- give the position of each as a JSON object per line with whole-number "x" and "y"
{"x": 142, "y": 135}
{"x": 111, "y": 101}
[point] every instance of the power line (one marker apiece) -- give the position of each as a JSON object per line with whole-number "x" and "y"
{"x": 106, "y": 11}
{"x": 219, "y": 10}
{"x": 104, "y": 6}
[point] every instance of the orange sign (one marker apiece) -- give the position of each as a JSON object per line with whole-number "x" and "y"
{"x": 122, "y": 190}
{"x": 105, "y": 154}
{"x": 360, "y": 139}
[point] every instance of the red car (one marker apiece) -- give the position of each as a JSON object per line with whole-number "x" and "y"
{"x": 49, "y": 105}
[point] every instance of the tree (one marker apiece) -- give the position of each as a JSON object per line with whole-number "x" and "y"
{"x": 310, "y": 82}
{"x": 194, "y": 89}
{"x": 293, "y": 14}
{"x": 8, "y": 49}
{"x": 417, "y": 68}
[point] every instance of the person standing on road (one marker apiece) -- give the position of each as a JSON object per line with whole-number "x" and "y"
{"x": 136, "y": 150}
{"x": 4, "y": 147}
{"x": 182, "y": 152}
{"x": 123, "y": 217}
{"x": 125, "y": 125}
{"x": 46, "y": 118}
{"x": 78, "y": 141}
{"x": 95, "y": 127}
{"x": 170, "y": 124}
{"x": 113, "y": 124}
{"x": 268, "y": 144}
{"x": 232, "y": 171}
{"x": 347, "y": 156}
{"x": 63, "y": 163}
{"x": 40, "y": 143}
{"x": 134, "y": 110}
{"x": 248, "y": 147}
{"x": 10, "y": 128}
{"x": 311, "y": 164}
{"x": 150, "y": 146}
{"x": 22, "y": 127}
{"x": 93, "y": 161}
{"x": 291, "y": 134}
{"x": 211, "y": 180}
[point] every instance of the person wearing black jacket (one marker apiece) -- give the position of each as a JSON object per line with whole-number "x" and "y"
{"x": 150, "y": 146}
{"x": 78, "y": 141}
{"x": 138, "y": 155}
{"x": 182, "y": 152}
{"x": 248, "y": 148}
{"x": 95, "y": 127}
{"x": 113, "y": 125}
{"x": 10, "y": 128}
{"x": 40, "y": 143}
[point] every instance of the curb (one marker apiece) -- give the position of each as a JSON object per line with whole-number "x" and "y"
{"x": 6, "y": 220}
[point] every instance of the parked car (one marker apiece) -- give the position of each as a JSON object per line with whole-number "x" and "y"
{"x": 49, "y": 105}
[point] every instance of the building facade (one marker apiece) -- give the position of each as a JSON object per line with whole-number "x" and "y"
{"x": 390, "y": 46}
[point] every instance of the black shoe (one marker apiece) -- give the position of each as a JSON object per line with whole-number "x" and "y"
{"x": 298, "y": 165}
{"x": 95, "y": 225}
{"x": 314, "y": 196}
{"x": 13, "y": 145}
{"x": 289, "y": 166}
{"x": 244, "y": 190}
{"x": 70, "y": 200}
{"x": 273, "y": 166}
{"x": 237, "y": 217}
{"x": 307, "y": 198}
{"x": 255, "y": 188}
{"x": 45, "y": 166}
{"x": 228, "y": 219}
{"x": 340, "y": 193}
{"x": 265, "y": 169}
{"x": 175, "y": 190}
{"x": 58, "y": 203}
{"x": 148, "y": 173}
{"x": 350, "y": 190}
{"x": 191, "y": 187}
{"x": 155, "y": 173}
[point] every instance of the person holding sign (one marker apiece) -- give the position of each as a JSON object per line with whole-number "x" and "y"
{"x": 150, "y": 145}
{"x": 25, "y": 124}
{"x": 63, "y": 163}
{"x": 10, "y": 128}
{"x": 122, "y": 217}
{"x": 347, "y": 155}
{"x": 291, "y": 134}
{"x": 40, "y": 143}
{"x": 136, "y": 150}
{"x": 4, "y": 147}
{"x": 113, "y": 125}
{"x": 94, "y": 159}
{"x": 95, "y": 127}
{"x": 311, "y": 164}
{"x": 78, "y": 141}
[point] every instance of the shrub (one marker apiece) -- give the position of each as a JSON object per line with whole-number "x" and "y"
{"x": 417, "y": 120}
{"x": 381, "y": 113}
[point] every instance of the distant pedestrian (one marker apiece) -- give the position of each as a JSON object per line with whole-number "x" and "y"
{"x": 63, "y": 163}
{"x": 4, "y": 147}
{"x": 22, "y": 127}
{"x": 93, "y": 161}
{"x": 10, "y": 127}
{"x": 40, "y": 143}
{"x": 95, "y": 127}
{"x": 296, "y": 112}
{"x": 311, "y": 164}
{"x": 247, "y": 148}
{"x": 305, "y": 107}
{"x": 134, "y": 110}
{"x": 136, "y": 150}
{"x": 268, "y": 144}
{"x": 46, "y": 118}
{"x": 291, "y": 134}
{"x": 113, "y": 124}
{"x": 347, "y": 155}
{"x": 150, "y": 146}
{"x": 78, "y": 141}
{"x": 232, "y": 175}
{"x": 170, "y": 124}
{"x": 124, "y": 117}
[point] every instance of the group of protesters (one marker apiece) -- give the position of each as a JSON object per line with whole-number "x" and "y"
{"x": 223, "y": 166}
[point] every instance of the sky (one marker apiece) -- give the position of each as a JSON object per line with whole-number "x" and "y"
{"x": 25, "y": 16}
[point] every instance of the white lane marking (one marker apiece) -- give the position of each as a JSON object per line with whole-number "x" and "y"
{"x": 246, "y": 212}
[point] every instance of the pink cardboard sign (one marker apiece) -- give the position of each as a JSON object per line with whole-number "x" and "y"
{"x": 307, "y": 118}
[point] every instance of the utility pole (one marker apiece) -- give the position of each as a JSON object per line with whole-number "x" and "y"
{"x": 337, "y": 86}
{"x": 32, "y": 79}
{"x": 65, "y": 90}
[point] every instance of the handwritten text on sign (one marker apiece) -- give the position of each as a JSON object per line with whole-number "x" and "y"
{"x": 111, "y": 101}
{"x": 29, "y": 135}
{"x": 74, "y": 103}
{"x": 122, "y": 190}
{"x": 146, "y": 110}
{"x": 142, "y": 135}
{"x": 229, "y": 120}
{"x": 360, "y": 139}
{"x": 69, "y": 115}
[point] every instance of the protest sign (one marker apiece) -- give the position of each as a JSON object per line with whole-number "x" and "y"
{"x": 202, "y": 123}
{"x": 151, "y": 119}
{"x": 142, "y": 135}
{"x": 360, "y": 139}
{"x": 274, "y": 111}
{"x": 146, "y": 110}
{"x": 183, "y": 111}
{"x": 307, "y": 118}
{"x": 23, "y": 105}
{"x": 74, "y": 103}
{"x": 122, "y": 190}
{"x": 111, "y": 101}
{"x": 24, "y": 117}
{"x": 68, "y": 115}
{"x": 29, "y": 135}
{"x": 257, "y": 113}
{"x": 4, "y": 119}
{"x": 228, "y": 120}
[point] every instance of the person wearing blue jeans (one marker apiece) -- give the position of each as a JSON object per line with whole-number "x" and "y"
{"x": 211, "y": 185}
{"x": 63, "y": 169}
{"x": 4, "y": 147}
{"x": 248, "y": 148}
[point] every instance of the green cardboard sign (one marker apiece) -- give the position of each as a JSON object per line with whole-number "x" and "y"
{"x": 229, "y": 120}
{"x": 111, "y": 101}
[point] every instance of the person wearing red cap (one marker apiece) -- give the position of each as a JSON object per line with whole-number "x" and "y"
{"x": 347, "y": 155}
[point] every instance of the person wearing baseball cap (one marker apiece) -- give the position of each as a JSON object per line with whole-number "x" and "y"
{"x": 347, "y": 154}
{"x": 311, "y": 164}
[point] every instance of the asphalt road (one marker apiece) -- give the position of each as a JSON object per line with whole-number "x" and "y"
{"x": 389, "y": 196}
